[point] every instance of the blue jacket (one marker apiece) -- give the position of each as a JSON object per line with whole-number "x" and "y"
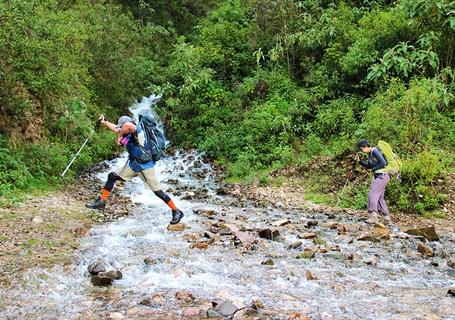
{"x": 375, "y": 161}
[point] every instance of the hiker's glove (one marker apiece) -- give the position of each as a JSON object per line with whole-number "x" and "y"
{"x": 102, "y": 118}
{"x": 356, "y": 157}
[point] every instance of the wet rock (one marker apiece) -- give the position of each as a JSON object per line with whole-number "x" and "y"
{"x": 200, "y": 245}
{"x": 428, "y": 233}
{"x": 381, "y": 230}
{"x": 352, "y": 256}
{"x": 172, "y": 181}
{"x": 370, "y": 261}
{"x": 341, "y": 229}
{"x": 221, "y": 191}
{"x": 213, "y": 314}
{"x": 184, "y": 295}
{"x": 241, "y": 218}
{"x": 306, "y": 255}
{"x": 291, "y": 227}
{"x": 149, "y": 261}
{"x": 281, "y": 222}
{"x": 451, "y": 292}
{"x": 158, "y": 299}
{"x": 245, "y": 238}
{"x": 425, "y": 250}
{"x": 225, "y": 232}
{"x": 310, "y": 276}
{"x": 147, "y": 302}
{"x": 247, "y": 312}
{"x": 101, "y": 281}
{"x": 268, "y": 262}
{"x": 270, "y": 234}
{"x": 299, "y": 316}
{"x": 214, "y": 229}
{"x": 205, "y": 213}
{"x": 332, "y": 226}
{"x": 96, "y": 267}
{"x": 295, "y": 245}
{"x": 192, "y": 313}
{"x": 451, "y": 263}
{"x": 190, "y": 237}
{"x": 225, "y": 308}
{"x": 312, "y": 223}
{"x": 176, "y": 227}
{"x": 189, "y": 195}
{"x": 112, "y": 274}
{"x": 307, "y": 235}
{"x": 331, "y": 216}
{"x": 257, "y": 304}
{"x": 367, "y": 237}
{"x": 320, "y": 242}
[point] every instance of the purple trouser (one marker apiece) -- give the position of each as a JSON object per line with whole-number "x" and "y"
{"x": 376, "y": 202}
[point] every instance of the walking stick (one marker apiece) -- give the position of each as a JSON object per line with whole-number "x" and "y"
{"x": 79, "y": 151}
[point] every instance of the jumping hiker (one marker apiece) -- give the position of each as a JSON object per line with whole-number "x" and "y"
{"x": 127, "y": 132}
{"x": 375, "y": 162}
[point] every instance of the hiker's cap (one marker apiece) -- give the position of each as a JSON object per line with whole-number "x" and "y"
{"x": 122, "y": 120}
{"x": 361, "y": 144}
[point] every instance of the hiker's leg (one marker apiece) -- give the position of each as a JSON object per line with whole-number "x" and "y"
{"x": 373, "y": 196}
{"x": 149, "y": 177}
{"x": 381, "y": 202}
{"x": 111, "y": 179}
{"x": 124, "y": 174}
{"x": 166, "y": 199}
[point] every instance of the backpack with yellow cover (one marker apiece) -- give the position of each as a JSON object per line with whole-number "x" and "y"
{"x": 394, "y": 163}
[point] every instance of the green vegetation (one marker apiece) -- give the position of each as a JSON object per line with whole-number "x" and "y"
{"x": 259, "y": 85}
{"x": 269, "y": 84}
{"x": 62, "y": 63}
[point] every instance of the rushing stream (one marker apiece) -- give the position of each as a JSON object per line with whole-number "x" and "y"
{"x": 384, "y": 279}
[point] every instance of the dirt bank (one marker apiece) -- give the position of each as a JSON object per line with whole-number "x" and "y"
{"x": 43, "y": 231}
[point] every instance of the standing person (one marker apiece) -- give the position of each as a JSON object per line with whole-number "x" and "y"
{"x": 375, "y": 162}
{"x": 137, "y": 165}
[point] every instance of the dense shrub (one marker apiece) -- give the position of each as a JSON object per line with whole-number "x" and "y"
{"x": 266, "y": 84}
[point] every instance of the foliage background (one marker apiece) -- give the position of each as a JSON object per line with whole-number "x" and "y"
{"x": 260, "y": 85}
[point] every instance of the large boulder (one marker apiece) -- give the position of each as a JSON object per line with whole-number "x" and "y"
{"x": 101, "y": 281}
{"x": 268, "y": 233}
{"x": 428, "y": 233}
{"x": 96, "y": 267}
{"x": 225, "y": 308}
{"x": 425, "y": 250}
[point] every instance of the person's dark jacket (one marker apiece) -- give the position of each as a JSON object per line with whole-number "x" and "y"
{"x": 375, "y": 161}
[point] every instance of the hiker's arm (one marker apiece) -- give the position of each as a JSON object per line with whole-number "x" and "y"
{"x": 362, "y": 163}
{"x": 108, "y": 124}
{"x": 381, "y": 161}
{"x": 128, "y": 127}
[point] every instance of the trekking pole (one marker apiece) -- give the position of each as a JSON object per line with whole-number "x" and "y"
{"x": 345, "y": 184}
{"x": 79, "y": 151}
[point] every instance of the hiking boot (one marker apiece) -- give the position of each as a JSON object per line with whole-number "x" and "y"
{"x": 386, "y": 219}
{"x": 373, "y": 218}
{"x": 97, "y": 204}
{"x": 177, "y": 215}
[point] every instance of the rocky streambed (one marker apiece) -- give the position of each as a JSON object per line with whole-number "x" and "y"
{"x": 232, "y": 258}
